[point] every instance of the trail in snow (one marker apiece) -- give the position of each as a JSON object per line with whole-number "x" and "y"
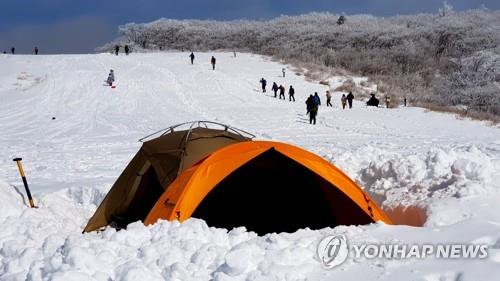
{"x": 445, "y": 169}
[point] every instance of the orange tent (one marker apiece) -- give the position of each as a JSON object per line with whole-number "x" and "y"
{"x": 267, "y": 187}
{"x": 225, "y": 178}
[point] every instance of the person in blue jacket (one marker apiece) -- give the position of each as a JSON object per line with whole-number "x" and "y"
{"x": 263, "y": 82}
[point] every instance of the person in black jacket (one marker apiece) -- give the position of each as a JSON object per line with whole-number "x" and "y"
{"x": 312, "y": 108}
{"x": 282, "y": 91}
{"x": 309, "y": 101}
{"x": 373, "y": 101}
{"x": 275, "y": 89}
{"x": 350, "y": 97}
{"x": 191, "y": 56}
{"x": 212, "y": 61}
{"x": 291, "y": 93}
{"x": 117, "y": 50}
{"x": 127, "y": 50}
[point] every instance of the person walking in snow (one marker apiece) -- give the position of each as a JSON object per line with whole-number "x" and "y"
{"x": 35, "y": 50}
{"x": 282, "y": 91}
{"x": 291, "y": 93}
{"x": 328, "y": 99}
{"x": 13, "y": 50}
{"x": 283, "y": 70}
{"x": 312, "y": 107}
{"x": 350, "y": 97}
{"x": 387, "y": 101}
{"x": 212, "y": 61}
{"x": 263, "y": 82}
{"x": 111, "y": 77}
{"x": 275, "y": 89}
{"x": 343, "y": 100}
{"x": 191, "y": 56}
{"x": 308, "y": 104}
{"x": 317, "y": 100}
{"x": 117, "y": 50}
{"x": 127, "y": 50}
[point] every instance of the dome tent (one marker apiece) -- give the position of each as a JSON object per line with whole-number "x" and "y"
{"x": 234, "y": 181}
{"x": 157, "y": 163}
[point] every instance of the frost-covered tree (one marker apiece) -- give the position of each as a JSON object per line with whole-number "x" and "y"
{"x": 446, "y": 9}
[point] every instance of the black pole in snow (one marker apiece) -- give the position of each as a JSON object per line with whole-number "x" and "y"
{"x": 21, "y": 172}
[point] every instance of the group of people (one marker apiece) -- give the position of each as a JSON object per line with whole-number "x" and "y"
{"x": 312, "y": 105}
{"x": 313, "y": 101}
{"x": 13, "y": 50}
{"x": 212, "y": 60}
{"x": 281, "y": 89}
{"x": 126, "y": 48}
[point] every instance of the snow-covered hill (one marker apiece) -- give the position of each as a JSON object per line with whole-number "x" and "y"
{"x": 422, "y": 167}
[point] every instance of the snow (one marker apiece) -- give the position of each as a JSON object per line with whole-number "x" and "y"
{"x": 424, "y": 168}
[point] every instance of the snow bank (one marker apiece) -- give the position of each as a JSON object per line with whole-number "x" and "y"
{"x": 46, "y": 244}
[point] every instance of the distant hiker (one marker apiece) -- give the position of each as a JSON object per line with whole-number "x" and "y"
{"x": 13, "y": 50}
{"x": 111, "y": 77}
{"x": 282, "y": 91}
{"x": 275, "y": 89}
{"x": 312, "y": 109}
{"x": 373, "y": 101}
{"x": 35, "y": 50}
{"x": 283, "y": 70}
{"x": 350, "y": 97}
{"x": 341, "y": 20}
{"x": 308, "y": 103}
{"x": 212, "y": 61}
{"x": 117, "y": 49}
{"x": 404, "y": 101}
{"x": 328, "y": 99}
{"x": 343, "y": 100}
{"x": 191, "y": 56}
{"x": 387, "y": 101}
{"x": 234, "y": 53}
{"x": 263, "y": 82}
{"x": 127, "y": 50}
{"x": 291, "y": 93}
{"x": 317, "y": 100}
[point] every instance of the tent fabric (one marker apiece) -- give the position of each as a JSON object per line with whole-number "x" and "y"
{"x": 158, "y": 162}
{"x": 185, "y": 194}
{"x": 229, "y": 180}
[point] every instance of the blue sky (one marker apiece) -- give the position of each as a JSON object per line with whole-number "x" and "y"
{"x": 78, "y": 26}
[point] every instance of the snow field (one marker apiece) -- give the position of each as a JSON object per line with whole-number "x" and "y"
{"x": 424, "y": 168}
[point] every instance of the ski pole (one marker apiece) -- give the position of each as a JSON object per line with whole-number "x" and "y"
{"x": 20, "y": 167}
